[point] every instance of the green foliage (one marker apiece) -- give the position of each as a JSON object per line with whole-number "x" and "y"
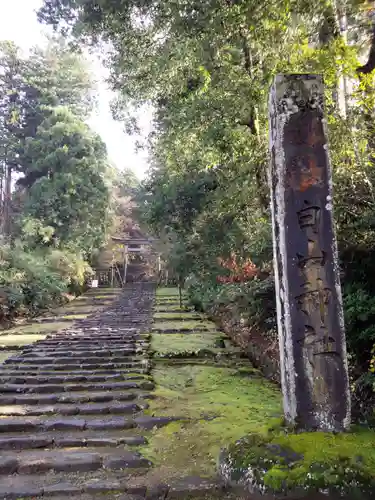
{"x": 68, "y": 192}
{"x": 31, "y": 87}
{"x": 59, "y": 213}
{"x": 39, "y": 279}
{"x": 359, "y": 306}
{"x": 206, "y": 68}
{"x": 71, "y": 267}
{"x": 251, "y": 303}
{"x": 27, "y": 283}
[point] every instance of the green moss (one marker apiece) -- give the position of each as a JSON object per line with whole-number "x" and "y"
{"x": 174, "y": 306}
{"x": 76, "y": 316}
{"x": 19, "y": 340}
{"x": 183, "y": 316}
{"x": 6, "y": 355}
{"x": 212, "y": 399}
{"x": 176, "y": 343}
{"x": 35, "y": 329}
{"x": 178, "y": 325}
{"x": 342, "y": 463}
{"x": 167, "y": 292}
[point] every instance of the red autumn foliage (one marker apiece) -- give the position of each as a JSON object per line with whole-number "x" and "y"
{"x": 239, "y": 272}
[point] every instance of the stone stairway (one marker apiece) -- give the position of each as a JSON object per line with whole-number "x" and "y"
{"x": 71, "y": 406}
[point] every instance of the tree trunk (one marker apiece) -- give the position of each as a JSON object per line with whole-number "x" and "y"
{"x": 342, "y": 84}
{"x": 2, "y": 177}
{"x": 7, "y": 201}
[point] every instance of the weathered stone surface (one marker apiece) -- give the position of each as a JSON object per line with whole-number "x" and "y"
{"x": 64, "y": 424}
{"x": 94, "y": 409}
{"x": 59, "y": 461}
{"x": 62, "y": 488}
{"x": 96, "y": 368}
{"x": 126, "y": 460}
{"x": 24, "y": 442}
{"x": 78, "y": 461}
{"x": 102, "y": 486}
{"x": 133, "y": 440}
{"x": 151, "y": 422}
{"x": 15, "y": 425}
{"x": 40, "y": 399}
{"x": 16, "y": 487}
{"x": 101, "y": 441}
{"x": 8, "y": 465}
{"x": 110, "y": 424}
{"x": 158, "y": 492}
{"x": 123, "y": 408}
{"x": 68, "y": 441}
{"x": 194, "y": 485}
{"x": 309, "y": 306}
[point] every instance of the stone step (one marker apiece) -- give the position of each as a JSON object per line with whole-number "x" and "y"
{"x": 38, "y": 488}
{"x": 75, "y": 440}
{"x": 56, "y": 388}
{"x": 66, "y": 409}
{"x": 74, "y": 359}
{"x": 40, "y": 461}
{"x": 182, "y": 330}
{"x": 176, "y": 317}
{"x": 73, "y": 398}
{"x": 116, "y": 344}
{"x": 92, "y": 339}
{"x": 70, "y": 424}
{"x": 18, "y": 364}
{"x": 177, "y": 311}
{"x": 102, "y": 331}
{"x": 66, "y": 379}
{"x": 38, "y": 371}
{"x": 11, "y": 348}
{"x": 77, "y": 355}
{"x": 90, "y": 344}
{"x": 102, "y": 483}
{"x": 64, "y": 348}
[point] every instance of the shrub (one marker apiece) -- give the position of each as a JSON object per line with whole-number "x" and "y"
{"x": 252, "y": 302}
{"x": 71, "y": 267}
{"x": 31, "y": 281}
{"x": 359, "y": 308}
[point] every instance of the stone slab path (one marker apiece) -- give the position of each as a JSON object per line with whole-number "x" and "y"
{"x": 71, "y": 406}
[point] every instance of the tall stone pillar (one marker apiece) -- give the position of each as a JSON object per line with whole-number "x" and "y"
{"x": 313, "y": 357}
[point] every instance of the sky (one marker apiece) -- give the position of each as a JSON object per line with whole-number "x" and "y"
{"x": 18, "y": 23}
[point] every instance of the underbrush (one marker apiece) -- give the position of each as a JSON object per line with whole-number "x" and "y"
{"x": 32, "y": 281}
{"x": 251, "y": 303}
{"x": 247, "y": 311}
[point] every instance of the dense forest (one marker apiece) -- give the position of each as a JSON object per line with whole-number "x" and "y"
{"x": 205, "y": 67}
{"x": 59, "y": 194}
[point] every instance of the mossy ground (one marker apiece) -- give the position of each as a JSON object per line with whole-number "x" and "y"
{"x": 19, "y": 340}
{"x": 172, "y": 306}
{"x": 183, "y": 315}
{"x": 222, "y": 403}
{"x": 182, "y": 324}
{"x": 167, "y": 292}
{"x": 34, "y": 328}
{"x": 284, "y": 461}
{"x": 209, "y": 397}
{"x": 175, "y": 343}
